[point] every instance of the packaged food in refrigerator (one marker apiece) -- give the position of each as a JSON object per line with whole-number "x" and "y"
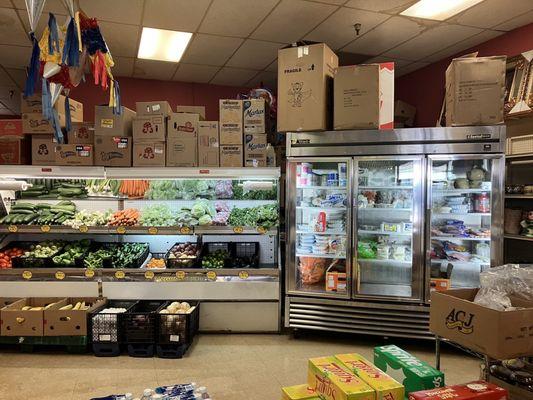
{"x": 320, "y": 222}
{"x": 479, "y": 390}
{"x": 336, "y": 278}
{"x": 407, "y": 227}
{"x": 312, "y": 269}
{"x": 391, "y": 227}
{"x": 342, "y": 174}
{"x": 382, "y": 251}
{"x": 399, "y": 252}
{"x": 366, "y": 250}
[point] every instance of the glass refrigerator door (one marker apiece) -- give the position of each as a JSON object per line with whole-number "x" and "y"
{"x": 464, "y": 201}
{"x": 387, "y": 229}
{"x": 319, "y": 215}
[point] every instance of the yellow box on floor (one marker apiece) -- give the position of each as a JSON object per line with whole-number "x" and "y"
{"x": 298, "y": 392}
{"x": 333, "y": 381}
{"x": 386, "y": 388}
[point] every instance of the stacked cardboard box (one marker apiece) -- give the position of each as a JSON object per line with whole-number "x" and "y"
{"x": 182, "y": 140}
{"x": 150, "y": 133}
{"x": 113, "y": 141}
{"x": 255, "y": 122}
{"x": 14, "y": 145}
{"x": 208, "y": 144}
{"x": 231, "y": 133}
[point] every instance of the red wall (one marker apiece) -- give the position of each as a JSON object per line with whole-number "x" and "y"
{"x": 133, "y": 90}
{"x": 424, "y": 88}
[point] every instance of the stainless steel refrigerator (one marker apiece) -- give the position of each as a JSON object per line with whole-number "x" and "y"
{"x": 376, "y": 220}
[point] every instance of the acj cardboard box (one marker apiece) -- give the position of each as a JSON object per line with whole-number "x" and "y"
{"x": 208, "y": 144}
{"x": 74, "y": 154}
{"x": 149, "y": 154}
{"x": 475, "y": 91}
{"x": 182, "y": 140}
{"x": 149, "y": 128}
{"x": 149, "y": 108}
{"x": 71, "y": 322}
{"x": 499, "y": 334}
{"x": 27, "y": 322}
{"x": 43, "y": 150}
{"x": 231, "y": 155}
{"x": 81, "y": 133}
{"x": 255, "y": 153}
{"x": 255, "y": 116}
{"x": 112, "y": 151}
{"x": 231, "y": 128}
{"x": 305, "y": 87}
{"x": 108, "y": 123}
{"x": 479, "y": 390}
{"x": 200, "y": 110}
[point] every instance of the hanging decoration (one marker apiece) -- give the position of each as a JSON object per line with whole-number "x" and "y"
{"x": 35, "y": 9}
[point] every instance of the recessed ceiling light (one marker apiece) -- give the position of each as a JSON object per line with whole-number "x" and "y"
{"x": 439, "y": 10}
{"x": 163, "y": 45}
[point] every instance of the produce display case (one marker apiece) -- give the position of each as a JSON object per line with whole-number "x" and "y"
{"x": 161, "y": 207}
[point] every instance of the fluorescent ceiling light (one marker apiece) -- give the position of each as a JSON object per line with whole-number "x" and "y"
{"x": 439, "y": 10}
{"x": 163, "y": 45}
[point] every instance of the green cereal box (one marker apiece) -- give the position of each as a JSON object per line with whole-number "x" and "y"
{"x": 408, "y": 370}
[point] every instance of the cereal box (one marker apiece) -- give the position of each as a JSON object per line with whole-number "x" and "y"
{"x": 332, "y": 381}
{"x": 479, "y": 390}
{"x": 298, "y": 392}
{"x": 386, "y": 388}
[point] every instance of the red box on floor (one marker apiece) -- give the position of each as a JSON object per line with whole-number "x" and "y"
{"x": 479, "y": 390}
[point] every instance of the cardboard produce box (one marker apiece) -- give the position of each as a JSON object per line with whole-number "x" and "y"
{"x": 182, "y": 150}
{"x": 200, "y": 110}
{"x": 81, "y": 133}
{"x": 5, "y": 301}
{"x": 231, "y": 155}
{"x": 70, "y": 322}
{"x": 148, "y": 108}
{"x": 15, "y": 149}
{"x": 208, "y": 144}
{"x": 298, "y": 392}
{"x": 255, "y": 153}
{"x": 479, "y": 390}
{"x": 255, "y": 116}
{"x": 18, "y": 322}
{"x": 149, "y": 154}
{"x": 305, "y": 87}
{"x": 33, "y": 104}
{"x": 498, "y": 334}
{"x": 43, "y": 150}
{"x": 74, "y": 154}
{"x": 35, "y": 123}
{"x": 231, "y": 121}
{"x": 112, "y": 151}
{"x": 475, "y": 91}
{"x": 107, "y": 123}
{"x": 149, "y": 128}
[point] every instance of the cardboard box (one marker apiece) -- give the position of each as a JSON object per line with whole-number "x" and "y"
{"x": 107, "y": 123}
{"x": 305, "y": 87}
{"x": 182, "y": 150}
{"x": 255, "y": 153}
{"x": 16, "y": 322}
{"x": 43, "y": 150}
{"x": 81, "y": 133}
{"x": 332, "y": 381}
{"x": 11, "y": 127}
{"x": 231, "y": 128}
{"x": 479, "y": 390}
{"x": 33, "y": 104}
{"x": 336, "y": 281}
{"x": 149, "y": 128}
{"x": 200, "y": 110}
{"x": 499, "y": 334}
{"x": 148, "y": 108}
{"x": 113, "y": 151}
{"x": 298, "y": 392}
{"x": 183, "y": 124}
{"x": 15, "y": 150}
{"x": 255, "y": 116}
{"x": 5, "y": 301}
{"x": 404, "y": 113}
{"x": 411, "y": 372}
{"x": 74, "y": 154}
{"x": 35, "y": 123}
{"x": 70, "y": 322}
{"x": 149, "y": 154}
{"x": 208, "y": 144}
{"x": 386, "y": 388}
{"x": 231, "y": 155}
{"x": 475, "y": 91}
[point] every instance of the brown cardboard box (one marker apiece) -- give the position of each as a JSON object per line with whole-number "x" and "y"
{"x": 404, "y": 113}
{"x": 255, "y": 116}
{"x": 35, "y": 123}
{"x": 208, "y": 146}
{"x": 43, "y": 150}
{"x": 33, "y": 104}
{"x": 107, "y": 123}
{"x": 5, "y": 301}
{"x": 475, "y": 91}
{"x": 149, "y": 108}
{"x": 498, "y": 334}
{"x": 200, "y": 110}
{"x": 305, "y": 87}
{"x": 149, "y": 154}
{"x": 149, "y": 128}
{"x": 231, "y": 155}
{"x": 183, "y": 123}
{"x": 81, "y": 133}
{"x": 15, "y": 150}
{"x": 74, "y": 154}
{"x": 182, "y": 150}
{"x": 230, "y": 121}
{"x": 255, "y": 146}
{"x": 70, "y": 322}
{"x": 112, "y": 151}
{"x": 16, "y": 322}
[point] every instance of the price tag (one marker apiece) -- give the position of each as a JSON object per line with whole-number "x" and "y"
{"x": 262, "y": 230}
{"x": 180, "y": 275}
{"x": 45, "y": 228}
{"x": 185, "y": 230}
{"x": 27, "y": 274}
{"x": 244, "y": 274}
{"x": 89, "y": 273}
{"x": 211, "y": 275}
{"x": 60, "y": 275}
{"x": 13, "y": 228}
{"x": 83, "y": 229}
{"x": 152, "y": 230}
{"x": 120, "y": 274}
{"x": 149, "y": 274}
{"x": 121, "y": 230}
{"x": 238, "y": 229}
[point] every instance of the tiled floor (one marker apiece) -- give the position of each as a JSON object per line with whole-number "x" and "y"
{"x": 231, "y": 366}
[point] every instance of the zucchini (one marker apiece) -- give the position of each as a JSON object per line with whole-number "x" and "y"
{"x": 22, "y": 211}
{"x": 19, "y": 206}
{"x": 67, "y": 185}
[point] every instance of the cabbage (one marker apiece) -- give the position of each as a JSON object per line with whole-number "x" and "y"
{"x": 204, "y": 220}
{"x": 198, "y": 210}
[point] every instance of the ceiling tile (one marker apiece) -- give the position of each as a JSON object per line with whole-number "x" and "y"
{"x": 335, "y": 2}
{"x": 5, "y": 79}
{"x": 14, "y": 56}
{"x": 123, "y": 66}
{"x": 264, "y": 79}
{"x": 6, "y": 3}
{"x": 398, "y": 63}
{"x": 178, "y": 15}
{"x": 43, "y": 21}
{"x": 383, "y": 6}
{"x": 195, "y": 73}
{"x": 254, "y": 54}
{"x": 338, "y": 29}
{"x": 10, "y": 97}
{"x": 149, "y": 69}
{"x": 235, "y": 17}
{"x": 410, "y": 68}
{"x": 490, "y": 13}
{"x": 210, "y": 50}
{"x": 425, "y": 44}
{"x": 389, "y": 34}
{"x": 122, "y": 39}
{"x": 18, "y": 76}
{"x": 122, "y": 11}
{"x": 11, "y": 30}
{"x": 291, "y": 20}
{"x": 273, "y": 67}
{"x": 516, "y": 22}
{"x": 463, "y": 45}
{"x": 233, "y": 76}
{"x": 51, "y": 6}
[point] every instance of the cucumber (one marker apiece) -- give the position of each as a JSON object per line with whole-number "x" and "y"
{"x": 22, "y": 211}
{"x": 71, "y": 185}
{"x": 43, "y": 206}
{"x": 28, "y": 218}
{"x": 21, "y": 205}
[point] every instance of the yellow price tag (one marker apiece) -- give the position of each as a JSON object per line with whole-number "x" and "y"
{"x": 83, "y": 229}
{"x": 211, "y": 275}
{"x": 27, "y": 274}
{"x": 60, "y": 275}
{"x": 13, "y": 228}
{"x": 120, "y": 274}
{"x": 152, "y": 230}
{"x": 149, "y": 274}
{"x": 244, "y": 274}
{"x": 121, "y": 230}
{"x": 185, "y": 230}
{"x": 238, "y": 229}
{"x": 180, "y": 275}
{"x": 262, "y": 230}
{"x": 89, "y": 273}
{"x": 45, "y": 228}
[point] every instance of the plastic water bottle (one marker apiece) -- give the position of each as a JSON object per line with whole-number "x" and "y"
{"x": 203, "y": 392}
{"x": 147, "y": 394}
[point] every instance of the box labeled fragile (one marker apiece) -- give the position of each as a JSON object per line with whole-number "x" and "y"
{"x": 386, "y": 388}
{"x": 333, "y": 381}
{"x": 479, "y": 390}
{"x": 298, "y": 392}
{"x": 411, "y": 372}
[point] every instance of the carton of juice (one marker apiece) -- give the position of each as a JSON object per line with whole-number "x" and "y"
{"x": 386, "y": 388}
{"x": 413, "y": 373}
{"x": 332, "y": 381}
{"x": 298, "y": 392}
{"x": 479, "y": 390}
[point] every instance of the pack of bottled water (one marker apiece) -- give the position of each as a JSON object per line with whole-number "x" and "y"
{"x": 181, "y": 391}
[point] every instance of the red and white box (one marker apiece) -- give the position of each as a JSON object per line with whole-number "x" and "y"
{"x": 386, "y": 95}
{"x": 479, "y": 390}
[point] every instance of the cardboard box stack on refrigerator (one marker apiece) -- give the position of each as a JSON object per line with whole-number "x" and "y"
{"x": 255, "y": 121}
{"x": 33, "y": 121}
{"x": 208, "y": 144}
{"x": 231, "y": 133}
{"x": 15, "y": 147}
{"x": 150, "y": 133}
{"x": 182, "y": 140}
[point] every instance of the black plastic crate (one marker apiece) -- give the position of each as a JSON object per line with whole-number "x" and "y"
{"x": 32, "y": 262}
{"x": 140, "y": 328}
{"x": 212, "y": 247}
{"x": 138, "y": 262}
{"x": 245, "y": 255}
{"x": 191, "y": 262}
{"x": 176, "y": 332}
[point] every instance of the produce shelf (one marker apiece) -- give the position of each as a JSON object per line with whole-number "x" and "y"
{"x": 518, "y": 237}
{"x": 35, "y": 171}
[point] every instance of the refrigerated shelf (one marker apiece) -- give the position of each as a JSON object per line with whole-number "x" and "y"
{"x": 322, "y": 187}
{"x": 320, "y": 208}
{"x": 321, "y": 255}
{"x": 459, "y": 263}
{"x": 384, "y": 261}
{"x": 363, "y": 232}
{"x": 385, "y": 209}
{"x": 518, "y": 237}
{"x": 445, "y": 215}
{"x": 454, "y": 192}
{"x": 460, "y": 238}
{"x": 328, "y": 232}
{"x": 385, "y": 187}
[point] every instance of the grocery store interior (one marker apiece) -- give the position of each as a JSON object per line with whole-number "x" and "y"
{"x": 266, "y": 199}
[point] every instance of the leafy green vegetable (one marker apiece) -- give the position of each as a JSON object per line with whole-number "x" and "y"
{"x": 157, "y": 215}
{"x": 163, "y": 190}
{"x": 266, "y": 216}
